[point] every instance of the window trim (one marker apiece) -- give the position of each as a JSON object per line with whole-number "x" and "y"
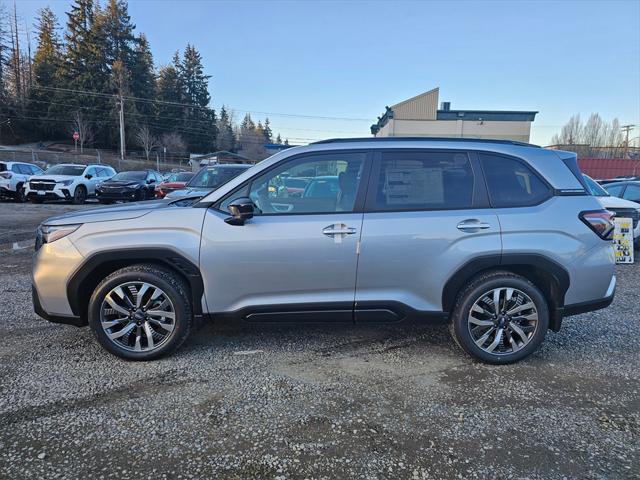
{"x": 479, "y": 199}
{"x": 551, "y": 192}
{"x": 358, "y": 206}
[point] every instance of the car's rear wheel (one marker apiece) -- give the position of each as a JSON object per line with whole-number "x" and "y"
{"x": 500, "y": 318}
{"x": 79, "y": 195}
{"x": 141, "y": 312}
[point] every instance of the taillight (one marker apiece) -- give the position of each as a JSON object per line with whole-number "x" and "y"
{"x": 6, "y": 174}
{"x": 600, "y": 221}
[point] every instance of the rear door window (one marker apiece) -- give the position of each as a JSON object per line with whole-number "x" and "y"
{"x": 512, "y": 183}
{"x": 423, "y": 181}
{"x": 632, "y": 193}
{"x": 615, "y": 190}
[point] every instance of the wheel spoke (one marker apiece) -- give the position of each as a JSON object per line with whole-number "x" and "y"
{"x": 121, "y": 333}
{"x": 515, "y": 328}
{"x": 496, "y": 301}
{"x": 147, "y": 330}
{"x": 496, "y": 340}
{"x": 138, "y": 345}
{"x": 140, "y": 294}
{"x": 161, "y": 313}
{"x": 521, "y": 308}
{"x": 167, "y": 326}
{"x": 154, "y": 296}
{"x": 114, "y": 322}
{"x": 112, "y": 303}
{"x": 123, "y": 296}
{"x": 484, "y": 337}
{"x": 481, "y": 323}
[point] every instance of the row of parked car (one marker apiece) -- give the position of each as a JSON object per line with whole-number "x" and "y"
{"x": 76, "y": 183}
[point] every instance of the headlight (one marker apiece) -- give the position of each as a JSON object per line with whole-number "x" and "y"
{"x": 51, "y": 233}
{"x": 66, "y": 183}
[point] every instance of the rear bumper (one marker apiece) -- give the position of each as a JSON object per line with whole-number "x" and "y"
{"x": 67, "y": 320}
{"x": 592, "y": 305}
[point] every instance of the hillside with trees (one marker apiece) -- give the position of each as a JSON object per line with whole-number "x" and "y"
{"x": 87, "y": 74}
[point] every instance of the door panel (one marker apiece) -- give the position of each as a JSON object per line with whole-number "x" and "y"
{"x": 408, "y": 257}
{"x": 426, "y": 215}
{"x": 278, "y": 260}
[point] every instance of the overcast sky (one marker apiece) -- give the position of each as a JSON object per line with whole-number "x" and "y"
{"x": 347, "y": 60}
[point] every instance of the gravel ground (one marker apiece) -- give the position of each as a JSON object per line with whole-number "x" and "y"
{"x": 244, "y": 402}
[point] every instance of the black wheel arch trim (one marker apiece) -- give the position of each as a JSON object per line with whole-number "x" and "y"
{"x": 486, "y": 262}
{"x": 163, "y": 256}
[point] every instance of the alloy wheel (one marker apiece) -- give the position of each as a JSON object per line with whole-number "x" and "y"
{"x": 502, "y": 321}
{"x": 137, "y": 316}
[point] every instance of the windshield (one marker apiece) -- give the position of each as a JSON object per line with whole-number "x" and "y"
{"x": 179, "y": 177}
{"x": 214, "y": 177}
{"x": 72, "y": 170}
{"x": 595, "y": 189}
{"x": 129, "y": 176}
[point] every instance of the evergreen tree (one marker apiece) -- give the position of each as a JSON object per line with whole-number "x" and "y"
{"x": 46, "y": 68}
{"x": 268, "y": 133}
{"x": 143, "y": 81}
{"x": 78, "y": 44}
{"x": 169, "y": 89}
{"x": 120, "y": 40}
{"x": 199, "y": 120}
{"x": 279, "y": 139}
{"x": 226, "y": 139}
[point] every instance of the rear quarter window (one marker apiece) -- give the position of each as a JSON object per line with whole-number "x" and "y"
{"x": 511, "y": 183}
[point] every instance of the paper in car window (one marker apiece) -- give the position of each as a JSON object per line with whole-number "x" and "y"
{"x": 414, "y": 185}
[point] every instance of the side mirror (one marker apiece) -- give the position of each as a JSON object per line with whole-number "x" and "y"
{"x": 151, "y": 180}
{"x": 241, "y": 210}
{"x": 88, "y": 176}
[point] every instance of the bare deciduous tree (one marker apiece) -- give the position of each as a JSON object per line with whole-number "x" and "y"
{"x": 174, "y": 143}
{"x": 147, "y": 140}
{"x": 595, "y": 138}
{"x": 85, "y": 131}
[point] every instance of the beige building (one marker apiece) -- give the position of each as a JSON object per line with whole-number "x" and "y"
{"x": 420, "y": 117}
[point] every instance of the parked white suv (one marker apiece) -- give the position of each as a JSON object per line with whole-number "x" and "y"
{"x": 13, "y": 178}
{"x": 621, "y": 207}
{"x": 68, "y": 181}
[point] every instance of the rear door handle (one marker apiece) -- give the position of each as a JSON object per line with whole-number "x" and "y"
{"x": 338, "y": 229}
{"x": 472, "y": 225}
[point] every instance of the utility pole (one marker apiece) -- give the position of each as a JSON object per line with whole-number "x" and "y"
{"x": 626, "y": 129}
{"x": 121, "y": 129}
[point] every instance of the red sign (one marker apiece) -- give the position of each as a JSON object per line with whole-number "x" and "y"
{"x": 76, "y": 136}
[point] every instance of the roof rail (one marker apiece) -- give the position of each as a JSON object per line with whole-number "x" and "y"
{"x": 425, "y": 139}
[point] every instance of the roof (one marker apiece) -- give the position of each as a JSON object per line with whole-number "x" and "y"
{"x": 424, "y": 139}
{"x": 221, "y": 153}
{"x": 423, "y": 107}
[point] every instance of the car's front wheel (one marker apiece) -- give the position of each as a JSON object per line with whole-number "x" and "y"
{"x": 500, "y": 318}
{"x": 141, "y": 312}
{"x": 79, "y": 195}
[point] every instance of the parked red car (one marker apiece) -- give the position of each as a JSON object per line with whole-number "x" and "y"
{"x": 175, "y": 181}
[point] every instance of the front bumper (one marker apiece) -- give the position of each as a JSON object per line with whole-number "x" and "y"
{"x": 65, "y": 319}
{"x": 117, "y": 195}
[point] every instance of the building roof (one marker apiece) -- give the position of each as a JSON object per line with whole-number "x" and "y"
{"x": 424, "y": 107}
{"x": 222, "y": 153}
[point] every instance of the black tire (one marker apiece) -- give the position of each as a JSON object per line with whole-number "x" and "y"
{"x": 175, "y": 288}
{"x": 20, "y": 195}
{"x": 79, "y": 195}
{"x": 474, "y": 290}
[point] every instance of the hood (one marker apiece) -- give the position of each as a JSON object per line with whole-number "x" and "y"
{"x": 172, "y": 184}
{"x": 121, "y": 183}
{"x": 54, "y": 178}
{"x": 615, "y": 202}
{"x": 105, "y": 214}
{"x": 189, "y": 191}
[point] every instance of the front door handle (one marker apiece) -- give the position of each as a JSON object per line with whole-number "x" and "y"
{"x": 472, "y": 225}
{"x": 338, "y": 229}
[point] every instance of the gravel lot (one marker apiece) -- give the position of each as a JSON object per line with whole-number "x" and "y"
{"x": 242, "y": 402}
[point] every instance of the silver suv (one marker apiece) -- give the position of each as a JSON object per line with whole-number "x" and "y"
{"x": 500, "y": 238}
